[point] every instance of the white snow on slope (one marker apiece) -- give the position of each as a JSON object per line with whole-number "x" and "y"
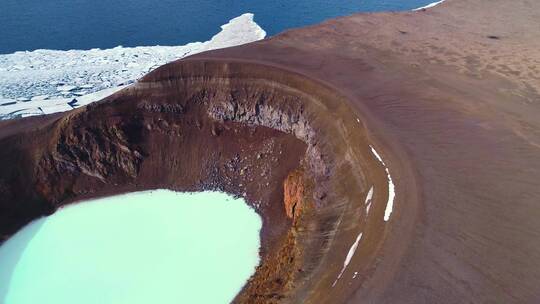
{"x": 429, "y": 5}
{"x": 354, "y": 246}
{"x": 79, "y": 77}
{"x": 348, "y": 258}
{"x": 367, "y": 203}
{"x": 391, "y": 188}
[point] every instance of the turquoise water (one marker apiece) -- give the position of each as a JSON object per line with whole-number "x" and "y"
{"x": 145, "y": 247}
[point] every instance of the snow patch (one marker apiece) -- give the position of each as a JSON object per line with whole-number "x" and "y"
{"x": 348, "y": 258}
{"x": 428, "y": 6}
{"x": 90, "y": 75}
{"x": 391, "y": 187}
{"x": 368, "y": 200}
{"x": 354, "y": 246}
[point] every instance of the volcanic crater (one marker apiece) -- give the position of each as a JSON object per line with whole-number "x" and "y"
{"x": 288, "y": 144}
{"x": 387, "y": 168}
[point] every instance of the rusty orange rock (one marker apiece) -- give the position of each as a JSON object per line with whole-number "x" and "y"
{"x": 293, "y": 193}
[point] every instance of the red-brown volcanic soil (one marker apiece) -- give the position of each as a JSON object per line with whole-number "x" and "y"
{"x": 449, "y": 98}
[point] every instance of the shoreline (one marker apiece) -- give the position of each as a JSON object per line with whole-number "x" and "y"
{"x": 46, "y": 81}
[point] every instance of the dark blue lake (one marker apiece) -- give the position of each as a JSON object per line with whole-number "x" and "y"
{"x": 85, "y": 24}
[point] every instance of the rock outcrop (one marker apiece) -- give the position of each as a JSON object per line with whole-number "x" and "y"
{"x": 294, "y": 198}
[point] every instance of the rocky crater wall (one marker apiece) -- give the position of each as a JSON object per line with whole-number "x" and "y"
{"x": 291, "y": 146}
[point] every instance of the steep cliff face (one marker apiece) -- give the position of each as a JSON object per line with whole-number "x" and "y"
{"x": 275, "y": 277}
{"x": 103, "y": 151}
{"x": 260, "y": 108}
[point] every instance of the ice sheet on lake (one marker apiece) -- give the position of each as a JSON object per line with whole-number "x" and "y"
{"x": 79, "y": 77}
